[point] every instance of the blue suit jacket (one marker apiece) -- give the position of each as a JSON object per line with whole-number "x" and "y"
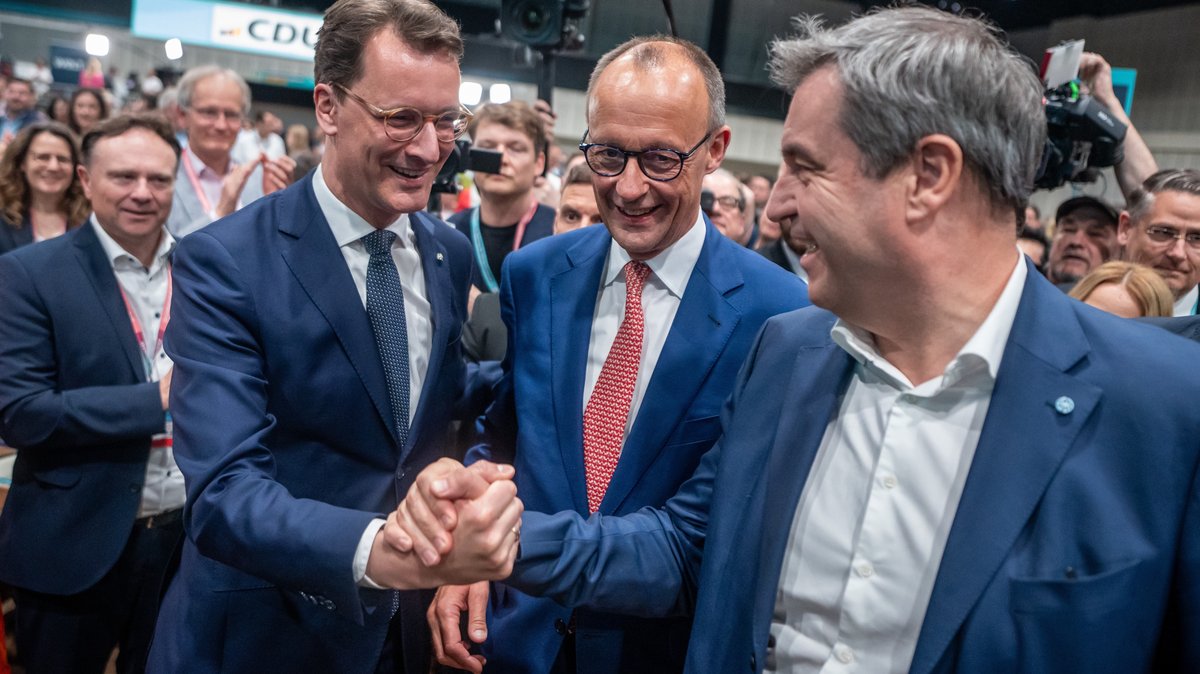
{"x": 285, "y": 435}
{"x": 75, "y": 402}
{"x": 1109, "y": 488}
{"x": 548, "y": 298}
{"x": 540, "y": 227}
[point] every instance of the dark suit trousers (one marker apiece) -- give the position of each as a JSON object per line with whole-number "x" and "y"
{"x": 75, "y": 634}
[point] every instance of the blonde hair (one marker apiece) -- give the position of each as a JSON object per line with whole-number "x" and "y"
{"x": 1144, "y": 285}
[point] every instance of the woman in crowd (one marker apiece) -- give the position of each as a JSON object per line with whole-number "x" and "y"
{"x": 88, "y": 108}
{"x": 92, "y": 76}
{"x": 296, "y": 140}
{"x": 1125, "y": 289}
{"x": 56, "y": 108}
{"x": 40, "y": 195}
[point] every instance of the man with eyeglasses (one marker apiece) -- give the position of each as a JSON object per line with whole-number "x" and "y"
{"x": 624, "y": 341}
{"x": 723, "y": 202}
{"x": 1160, "y": 228}
{"x": 315, "y": 336}
{"x": 210, "y": 185}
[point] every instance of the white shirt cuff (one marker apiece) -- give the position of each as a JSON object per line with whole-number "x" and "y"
{"x": 363, "y": 553}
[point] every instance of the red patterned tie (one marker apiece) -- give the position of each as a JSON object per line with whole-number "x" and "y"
{"x": 608, "y": 408}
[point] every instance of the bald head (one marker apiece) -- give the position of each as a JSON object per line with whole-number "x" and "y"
{"x": 664, "y": 52}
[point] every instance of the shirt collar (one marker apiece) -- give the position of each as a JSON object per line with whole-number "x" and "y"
{"x": 346, "y": 225}
{"x": 201, "y": 168}
{"x": 982, "y": 352}
{"x": 672, "y": 267}
{"x": 794, "y": 260}
{"x": 119, "y": 257}
{"x": 1186, "y": 305}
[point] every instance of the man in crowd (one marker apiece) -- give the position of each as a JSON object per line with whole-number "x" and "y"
{"x": 907, "y": 474}
{"x": 316, "y": 338}
{"x": 1160, "y": 228}
{"x": 262, "y": 139}
{"x": 1032, "y": 242}
{"x": 1085, "y": 236}
{"x": 509, "y": 215}
{"x": 577, "y": 205}
{"x": 19, "y": 109}
{"x": 94, "y": 512}
{"x": 725, "y": 204}
{"x": 624, "y": 341}
{"x": 210, "y": 184}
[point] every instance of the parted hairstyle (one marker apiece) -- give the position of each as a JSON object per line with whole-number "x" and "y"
{"x": 1167, "y": 180}
{"x": 579, "y": 174}
{"x": 650, "y": 51}
{"x": 15, "y": 196}
{"x": 80, "y": 93}
{"x": 350, "y": 23}
{"x": 910, "y": 72}
{"x": 151, "y": 121}
{"x": 1143, "y": 284}
{"x": 186, "y": 88}
{"x": 516, "y": 115}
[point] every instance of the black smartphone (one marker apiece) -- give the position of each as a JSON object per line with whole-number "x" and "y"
{"x": 487, "y": 161}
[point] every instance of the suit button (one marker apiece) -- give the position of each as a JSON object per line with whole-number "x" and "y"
{"x": 560, "y": 626}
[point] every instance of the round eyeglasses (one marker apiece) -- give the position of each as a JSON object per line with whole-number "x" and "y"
{"x": 403, "y": 124}
{"x": 661, "y": 164}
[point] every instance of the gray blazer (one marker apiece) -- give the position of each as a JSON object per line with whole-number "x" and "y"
{"x": 187, "y": 215}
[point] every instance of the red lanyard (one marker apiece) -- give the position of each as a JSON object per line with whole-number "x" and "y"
{"x": 195, "y": 181}
{"x": 147, "y": 363}
{"x": 523, "y": 223}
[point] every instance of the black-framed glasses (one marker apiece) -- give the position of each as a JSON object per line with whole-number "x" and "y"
{"x": 405, "y": 123}
{"x": 1169, "y": 235}
{"x": 661, "y": 164}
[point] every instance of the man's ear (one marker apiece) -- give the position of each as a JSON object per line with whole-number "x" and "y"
{"x": 1124, "y": 228}
{"x": 717, "y": 148}
{"x": 326, "y": 109}
{"x": 937, "y": 174}
{"x": 85, "y": 179}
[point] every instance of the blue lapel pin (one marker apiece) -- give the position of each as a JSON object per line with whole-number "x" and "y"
{"x": 439, "y": 258}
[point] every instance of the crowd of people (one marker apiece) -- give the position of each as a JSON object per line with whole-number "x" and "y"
{"x": 624, "y": 410}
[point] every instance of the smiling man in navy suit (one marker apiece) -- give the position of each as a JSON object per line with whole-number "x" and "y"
{"x": 316, "y": 342}
{"x": 947, "y": 467}
{"x": 624, "y": 341}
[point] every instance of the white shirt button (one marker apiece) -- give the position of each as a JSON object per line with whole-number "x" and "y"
{"x": 889, "y": 482}
{"x": 843, "y": 654}
{"x": 864, "y": 569}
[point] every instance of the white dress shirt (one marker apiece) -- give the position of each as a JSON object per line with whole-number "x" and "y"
{"x": 872, "y": 521}
{"x": 348, "y": 230}
{"x": 662, "y": 291}
{"x": 1186, "y": 305}
{"x": 146, "y": 290}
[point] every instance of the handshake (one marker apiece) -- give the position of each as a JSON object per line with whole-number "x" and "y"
{"x": 462, "y": 523}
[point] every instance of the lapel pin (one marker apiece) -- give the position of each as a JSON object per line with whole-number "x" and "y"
{"x": 439, "y": 258}
{"x": 1064, "y": 405}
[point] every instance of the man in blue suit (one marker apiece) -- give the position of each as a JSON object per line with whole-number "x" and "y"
{"x": 316, "y": 340}
{"x": 566, "y": 303}
{"x": 88, "y": 531}
{"x": 948, "y": 467}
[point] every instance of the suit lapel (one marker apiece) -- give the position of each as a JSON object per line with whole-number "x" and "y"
{"x": 97, "y": 267}
{"x": 697, "y": 338}
{"x": 1036, "y": 412}
{"x": 437, "y": 289}
{"x": 818, "y": 378}
{"x": 573, "y": 296}
{"x": 314, "y": 258}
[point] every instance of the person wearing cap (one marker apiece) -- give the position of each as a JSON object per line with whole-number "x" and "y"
{"x": 1085, "y": 236}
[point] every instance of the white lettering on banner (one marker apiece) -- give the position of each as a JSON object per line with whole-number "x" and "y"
{"x": 281, "y": 33}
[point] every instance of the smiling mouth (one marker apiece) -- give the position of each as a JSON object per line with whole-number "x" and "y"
{"x": 636, "y": 213}
{"x": 407, "y": 173}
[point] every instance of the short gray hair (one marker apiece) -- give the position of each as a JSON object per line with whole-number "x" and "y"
{"x": 648, "y": 52}
{"x": 1166, "y": 180}
{"x": 910, "y": 72}
{"x": 187, "y": 85}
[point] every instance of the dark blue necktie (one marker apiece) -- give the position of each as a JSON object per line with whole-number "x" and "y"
{"x": 385, "y": 308}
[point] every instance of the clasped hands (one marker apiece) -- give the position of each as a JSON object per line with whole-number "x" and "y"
{"x": 456, "y": 525}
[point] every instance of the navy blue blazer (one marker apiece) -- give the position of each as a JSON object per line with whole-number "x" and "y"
{"x": 75, "y": 402}
{"x": 540, "y": 227}
{"x": 12, "y": 238}
{"x": 548, "y": 298}
{"x": 1108, "y": 488}
{"x": 286, "y": 438}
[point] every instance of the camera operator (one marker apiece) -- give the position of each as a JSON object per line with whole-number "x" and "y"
{"x": 509, "y": 215}
{"x": 1138, "y": 163}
